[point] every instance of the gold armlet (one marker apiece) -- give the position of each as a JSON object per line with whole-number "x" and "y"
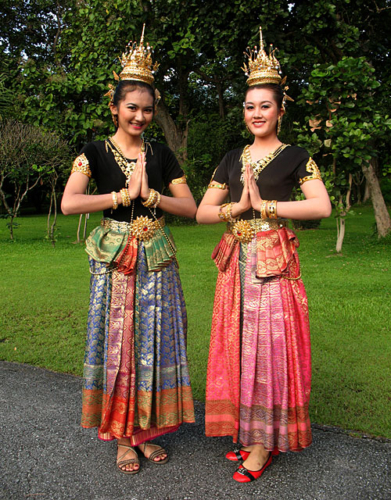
{"x": 217, "y": 185}
{"x": 179, "y": 180}
{"x": 82, "y": 165}
{"x": 315, "y": 172}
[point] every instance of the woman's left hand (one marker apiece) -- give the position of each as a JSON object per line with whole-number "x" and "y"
{"x": 253, "y": 189}
{"x": 145, "y": 190}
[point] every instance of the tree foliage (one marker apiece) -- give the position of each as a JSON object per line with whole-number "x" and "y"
{"x": 60, "y": 57}
{"x": 27, "y": 154}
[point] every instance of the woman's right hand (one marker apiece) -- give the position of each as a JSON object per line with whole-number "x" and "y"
{"x": 134, "y": 186}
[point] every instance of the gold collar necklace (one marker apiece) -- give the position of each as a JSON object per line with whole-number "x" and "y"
{"x": 127, "y": 166}
{"x": 258, "y": 165}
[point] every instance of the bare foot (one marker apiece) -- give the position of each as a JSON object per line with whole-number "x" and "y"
{"x": 257, "y": 458}
{"x": 149, "y": 451}
{"x": 127, "y": 459}
{"x": 247, "y": 448}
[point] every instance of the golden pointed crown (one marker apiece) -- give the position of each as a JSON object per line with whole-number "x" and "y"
{"x": 261, "y": 67}
{"x": 137, "y": 63}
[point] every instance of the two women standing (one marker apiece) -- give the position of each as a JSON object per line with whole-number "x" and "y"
{"x": 136, "y": 377}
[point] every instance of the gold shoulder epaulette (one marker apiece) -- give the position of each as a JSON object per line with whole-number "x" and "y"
{"x": 179, "y": 180}
{"x": 82, "y": 165}
{"x": 315, "y": 172}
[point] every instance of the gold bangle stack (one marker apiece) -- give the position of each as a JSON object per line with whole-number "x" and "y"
{"x": 263, "y": 209}
{"x": 268, "y": 209}
{"x": 115, "y": 200}
{"x": 272, "y": 209}
{"x": 157, "y": 202}
{"x": 227, "y": 216}
{"x": 153, "y": 199}
{"x": 126, "y": 201}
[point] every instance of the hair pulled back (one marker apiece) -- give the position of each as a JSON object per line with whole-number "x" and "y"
{"x": 278, "y": 93}
{"x": 125, "y": 86}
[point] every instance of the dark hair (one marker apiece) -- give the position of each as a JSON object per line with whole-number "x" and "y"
{"x": 278, "y": 93}
{"x": 125, "y": 86}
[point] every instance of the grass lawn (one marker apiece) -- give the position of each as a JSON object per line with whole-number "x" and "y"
{"x": 44, "y": 300}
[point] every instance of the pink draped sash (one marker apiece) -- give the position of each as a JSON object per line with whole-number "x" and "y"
{"x": 223, "y": 378}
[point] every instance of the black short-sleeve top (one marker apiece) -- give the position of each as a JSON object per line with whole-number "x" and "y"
{"x": 99, "y": 162}
{"x": 276, "y": 181}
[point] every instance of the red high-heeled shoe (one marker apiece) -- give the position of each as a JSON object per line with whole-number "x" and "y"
{"x": 238, "y": 455}
{"x": 243, "y": 475}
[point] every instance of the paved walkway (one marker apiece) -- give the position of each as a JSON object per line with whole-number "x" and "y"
{"x": 45, "y": 455}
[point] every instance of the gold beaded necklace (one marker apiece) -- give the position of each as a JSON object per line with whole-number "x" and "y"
{"x": 125, "y": 165}
{"x": 258, "y": 165}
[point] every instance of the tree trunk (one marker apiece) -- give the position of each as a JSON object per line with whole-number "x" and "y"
{"x": 49, "y": 216}
{"x": 78, "y": 228}
{"x": 220, "y": 93}
{"x": 175, "y": 136}
{"x": 11, "y": 227}
{"x": 87, "y": 216}
{"x": 340, "y": 233}
{"x": 53, "y": 226}
{"x": 367, "y": 194}
{"x": 348, "y": 205}
{"x": 383, "y": 220}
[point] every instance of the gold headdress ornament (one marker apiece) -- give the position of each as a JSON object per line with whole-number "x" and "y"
{"x": 137, "y": 64}
{"x": 263, "y": 68}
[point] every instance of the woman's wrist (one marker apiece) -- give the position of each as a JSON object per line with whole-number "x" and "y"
{"x": 144, "y": 198}
{"x": 238, "y": 209}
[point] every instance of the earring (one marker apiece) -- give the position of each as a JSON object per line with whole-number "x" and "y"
{"x": 115, "y": 120}
{"x": 279, "y": 124}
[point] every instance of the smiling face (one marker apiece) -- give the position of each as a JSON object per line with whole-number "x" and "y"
{"x": 261, "y": 112}
{"x": 135, "y": 111}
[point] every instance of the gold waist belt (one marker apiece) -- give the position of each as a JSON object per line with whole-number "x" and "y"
{"x": 245, "y": 230}
{"x": 143, "y": 228}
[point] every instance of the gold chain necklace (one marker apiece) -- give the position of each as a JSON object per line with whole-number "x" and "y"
{"x": 258, "y": 165}
{"x": 125, "y": 165}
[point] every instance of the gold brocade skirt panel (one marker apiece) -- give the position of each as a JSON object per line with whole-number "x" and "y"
{"x": 136, "y": 378}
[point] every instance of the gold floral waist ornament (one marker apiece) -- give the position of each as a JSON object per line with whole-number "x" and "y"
{"x": 142, "y": 228}
{"x": 245, "y": 230}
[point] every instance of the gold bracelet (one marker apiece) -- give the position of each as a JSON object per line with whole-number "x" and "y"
{"x": 221, "y": 214}
{"x": 267, "y": 209}
{"x": 272, "y": 209}
{"x": 126, "y": 201}
{"x": 154, "y": 199}
{"x": 229, "y": 212}
{"x": 263, "y": 209}
{"x": 157, "y": 200}
{"x": 151, "y": 199}
{"x": 115, "y": 200}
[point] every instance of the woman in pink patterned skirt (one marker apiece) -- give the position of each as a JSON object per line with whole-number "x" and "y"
{"x": 259, "y": 369}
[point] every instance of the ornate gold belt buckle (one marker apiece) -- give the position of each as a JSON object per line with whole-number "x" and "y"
{"x": 143, "y": 228}
{"x": 243, "y": 231}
